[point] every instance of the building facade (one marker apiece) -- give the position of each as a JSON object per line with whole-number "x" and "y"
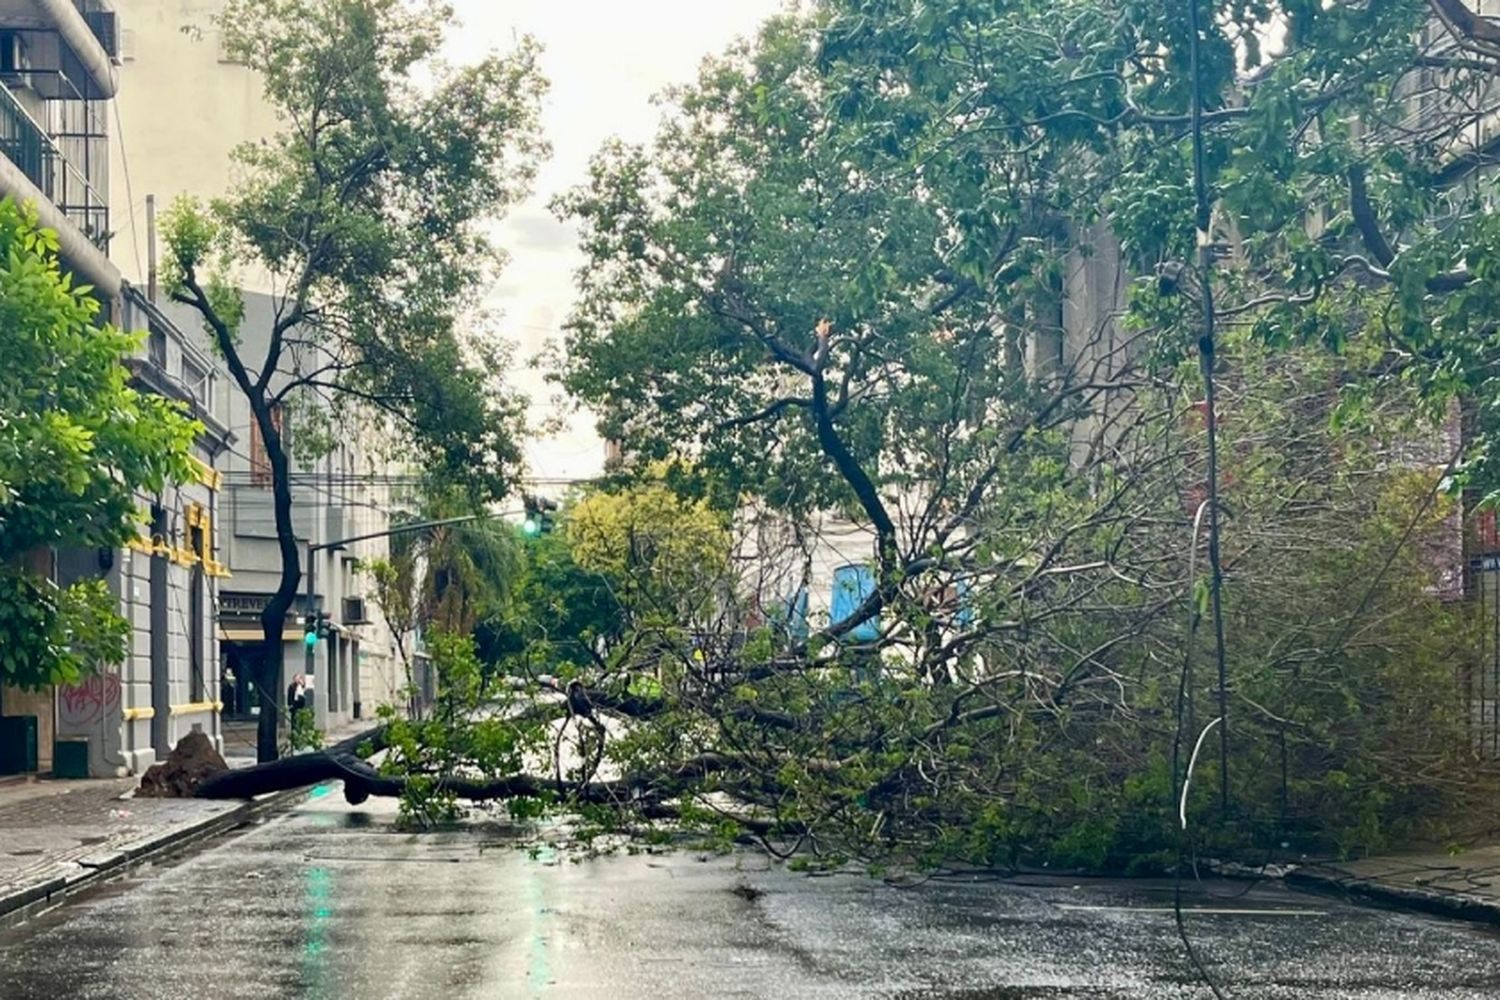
{"x": 57, "y": 75}
{"x": 168, "y": 579}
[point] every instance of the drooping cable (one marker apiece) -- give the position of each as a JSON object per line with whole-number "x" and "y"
{"x": 135, "y": 240}
{"x": 1203, "y": 222}
{"x": 1206, "y": 345}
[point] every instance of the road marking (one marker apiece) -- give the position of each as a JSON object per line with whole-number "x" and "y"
{"x": 539, "y": 973}
{"x": 1203, "y": 910}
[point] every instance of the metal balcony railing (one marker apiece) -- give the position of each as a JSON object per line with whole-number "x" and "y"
{"x": 27, "y": 145}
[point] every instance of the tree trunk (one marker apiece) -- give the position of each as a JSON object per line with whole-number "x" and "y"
{"x": 273, "y": 618}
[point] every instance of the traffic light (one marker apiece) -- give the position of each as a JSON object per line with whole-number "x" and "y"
{"x": 538, "y": 515}
{"x": 314, "y": 627}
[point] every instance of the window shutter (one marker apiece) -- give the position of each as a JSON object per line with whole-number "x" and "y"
{"x": 852, "y": 585}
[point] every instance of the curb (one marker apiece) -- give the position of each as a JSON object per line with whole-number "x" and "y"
{"x": 1454, "y": 906}
{"x": 21, "y": 905}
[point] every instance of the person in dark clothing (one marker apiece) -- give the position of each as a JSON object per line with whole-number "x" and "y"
{"x": 296, "y": 694}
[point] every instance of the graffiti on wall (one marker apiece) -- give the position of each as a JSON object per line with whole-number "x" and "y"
{"x": 90, "y": 700}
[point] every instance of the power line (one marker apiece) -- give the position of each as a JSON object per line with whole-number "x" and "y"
{"x": 135, "y": 243}
{"x": 311, "y": 483}
{"x": 1203, "y": 227}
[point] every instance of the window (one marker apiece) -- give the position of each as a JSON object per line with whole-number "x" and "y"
{"x": 198, "y": 535}
{"x": 852, "y": 586}
{"x": 260, "y": 459}
{"x": 194, "y": 379}
{"x": 965, "y": 603}
{"x": 197, "y": 686}
{"x": 156, "y": 347}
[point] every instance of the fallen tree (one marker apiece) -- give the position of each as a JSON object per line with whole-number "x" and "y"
{"x": 852, "y": 298}
{"x": 360, "y": 778}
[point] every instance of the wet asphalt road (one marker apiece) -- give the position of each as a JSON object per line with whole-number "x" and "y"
{"x": 328, "y": 901}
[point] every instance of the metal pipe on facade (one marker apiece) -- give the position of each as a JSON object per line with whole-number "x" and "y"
{"x": 79, "y": 37}
{"x": 150, "y": 249}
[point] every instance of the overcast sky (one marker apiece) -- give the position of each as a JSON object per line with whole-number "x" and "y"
{"x": 605, "y": 60}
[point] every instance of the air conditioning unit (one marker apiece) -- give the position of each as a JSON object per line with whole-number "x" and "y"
{"x": 13, "y": 57}
{"x": 355, "y": 612}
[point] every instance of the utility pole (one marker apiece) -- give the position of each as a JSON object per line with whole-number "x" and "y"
{"x": 150, "y": 249}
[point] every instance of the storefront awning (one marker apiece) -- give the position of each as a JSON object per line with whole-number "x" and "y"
{"x": 234, "y": 633}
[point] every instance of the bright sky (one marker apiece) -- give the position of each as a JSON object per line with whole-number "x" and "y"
{"x": 605, "y": 59}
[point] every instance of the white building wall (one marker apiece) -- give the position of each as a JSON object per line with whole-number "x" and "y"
{"x": 182, "y": 109}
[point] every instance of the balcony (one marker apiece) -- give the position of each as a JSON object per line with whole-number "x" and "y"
{"x": 76, "y": 37}
{"x": 27, "y": 145}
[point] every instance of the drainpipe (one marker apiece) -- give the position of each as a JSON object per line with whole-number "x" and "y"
{"x": 217, "y": 447}
{"x": 79, "y": 255}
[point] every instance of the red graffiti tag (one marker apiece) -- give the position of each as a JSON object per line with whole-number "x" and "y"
{"x": 81, "y": 704}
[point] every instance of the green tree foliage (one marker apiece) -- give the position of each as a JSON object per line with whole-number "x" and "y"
{"x": 652, "y": 545}
{"x": 369, "y": 213}
{"x": 848, "y": 278}
{"x": 470, "y": 732}
{"x": 628, "y": 558}
{"x": 912, "y": 271}
{"x": 1347, "y": 154}
{"x": 452, "y": 578}
{"x": 77, "y": 445}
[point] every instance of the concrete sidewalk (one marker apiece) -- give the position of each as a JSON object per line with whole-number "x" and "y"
{"x": 57, "y": 834}
{"x": 1464, "y": 885}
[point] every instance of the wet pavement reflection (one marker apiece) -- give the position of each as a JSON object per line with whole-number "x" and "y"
{"x": 332, "y": 901}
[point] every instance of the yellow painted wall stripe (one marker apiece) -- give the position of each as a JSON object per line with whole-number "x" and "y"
{"x": 208, "y": 476}
{"x": 146, "y": 712}
{"x": 194, "y": 707}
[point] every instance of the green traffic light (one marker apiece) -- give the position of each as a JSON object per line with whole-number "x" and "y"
{"x": 311, "y": 638}
{"x": 530, "y": 526}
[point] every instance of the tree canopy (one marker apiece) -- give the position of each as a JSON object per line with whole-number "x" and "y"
{"x": 923, "y": 265}
{"x": 910, "y": 287}
{"x": 77, "y": 445}
{"x": 367, "y": 216}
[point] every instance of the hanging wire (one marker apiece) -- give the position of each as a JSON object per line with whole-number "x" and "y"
{"x": 1203, "y": 223}
{"x": 1206, "y": 345}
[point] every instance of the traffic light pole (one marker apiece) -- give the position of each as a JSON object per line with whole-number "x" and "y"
{"x": 309, "y": 575}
